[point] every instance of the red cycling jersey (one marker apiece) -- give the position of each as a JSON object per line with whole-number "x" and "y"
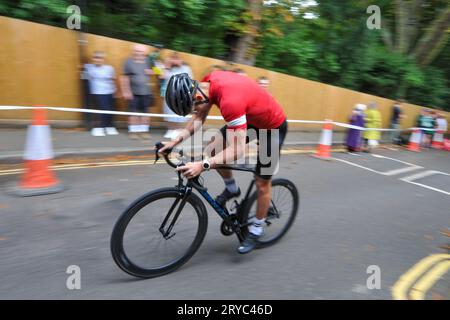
{"x": 242, "y": 101}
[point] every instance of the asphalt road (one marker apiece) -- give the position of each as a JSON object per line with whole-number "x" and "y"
{"x": 354, "y": 213}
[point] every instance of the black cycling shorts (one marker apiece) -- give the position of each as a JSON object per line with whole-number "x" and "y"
{"x": 266, "y": 165}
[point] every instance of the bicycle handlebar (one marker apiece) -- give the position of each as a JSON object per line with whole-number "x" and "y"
{"x": 194, "y": 181}
{"x": 159, "y": 146}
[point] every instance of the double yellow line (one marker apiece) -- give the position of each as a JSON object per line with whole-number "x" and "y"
{"x": 91, "y": 165}
{"x": 414, "y": 284}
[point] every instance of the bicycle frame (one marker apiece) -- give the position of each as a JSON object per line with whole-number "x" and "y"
{"x": 186, "y": 190}
{"x": 235, "y": 219}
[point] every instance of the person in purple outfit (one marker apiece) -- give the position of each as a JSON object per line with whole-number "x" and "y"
{"x": 353, "y": 141}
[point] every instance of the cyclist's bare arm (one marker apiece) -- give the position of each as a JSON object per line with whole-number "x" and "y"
{"x": 194, "y": 124}
{"x": 235, "y": 150}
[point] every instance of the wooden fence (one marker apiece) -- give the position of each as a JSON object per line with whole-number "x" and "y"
{"x": 39, "y": 65}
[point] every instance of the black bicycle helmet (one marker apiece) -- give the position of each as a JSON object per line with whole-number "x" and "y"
{"x": 180, "y": 93}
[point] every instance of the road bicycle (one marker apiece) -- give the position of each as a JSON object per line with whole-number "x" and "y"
{"x": 162, "y": 230}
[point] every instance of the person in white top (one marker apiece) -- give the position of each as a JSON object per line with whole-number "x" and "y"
{"x": 441, "y": 123}
{"x": 174, "y": 65}
{"x": 101, "y": 82}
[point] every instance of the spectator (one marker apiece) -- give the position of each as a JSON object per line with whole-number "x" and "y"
{"x": 158, "y": 68}
{"x": 240, "y": 71}
{"x": 216, "y": 67}
{"x": 102, "y": 87}
{"x": 441, "y": 128}
{"x": 86, "y": 94}
{"x": 212, "y": 68}
{"x": 174, "y": 65}
{"x": 135, "y": 83}
{"x": 441, "y": 123}
{"x": 353, "y": 141}
{"x": 264, "y": 82}
{"x": 372, "y": 121}
{"x": 397, "y": 115}
{"x": 427, "y": 124}
{"x": 154, "y": 57}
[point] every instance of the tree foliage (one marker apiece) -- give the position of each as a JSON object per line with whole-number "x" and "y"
{"x": 408, "y": 58}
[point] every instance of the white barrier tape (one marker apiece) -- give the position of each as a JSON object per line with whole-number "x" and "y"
{"x": 307, "y": 121}
{"x": 120, "y": 113}
{"x": 15, "y": 108}
{"x": 158, "y": 115}
{"x": 345, "y": 125}
{"x": 124, "y": 113}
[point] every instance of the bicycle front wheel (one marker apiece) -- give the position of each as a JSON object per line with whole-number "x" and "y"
{"x": 140, "y": 242}
{"x": 282, "y": 212}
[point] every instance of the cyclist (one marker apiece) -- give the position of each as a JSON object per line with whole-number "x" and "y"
{"x": 244, "y": 105}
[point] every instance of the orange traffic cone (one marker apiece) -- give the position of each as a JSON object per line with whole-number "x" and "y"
{"x": 446, "y": 145}
{"x": 438, "y": 140}
{"x": 38, "y": 178}
{"x": 324, "y": 148}
{"x": 414, "y": 140}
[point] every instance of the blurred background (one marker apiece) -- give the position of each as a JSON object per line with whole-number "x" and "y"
{"x": 319, "y": 59}
{"x": 408, "y": 58}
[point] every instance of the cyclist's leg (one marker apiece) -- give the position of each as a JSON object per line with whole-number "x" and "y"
{"x": 231, "y": 190}
{"x": 264, "y": 171}
{"x": 264, "y": 187}
{"x": 215, "y": 145}
{"x": 263, "y": 180}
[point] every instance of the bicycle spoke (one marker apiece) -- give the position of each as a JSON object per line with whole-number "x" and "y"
{"x": 280, "y": 213}
{"x": 143, "y": 241}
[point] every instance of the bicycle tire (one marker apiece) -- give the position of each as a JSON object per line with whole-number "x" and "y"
{"x": 117, "y": 237}
{"x": 244, "y": 215}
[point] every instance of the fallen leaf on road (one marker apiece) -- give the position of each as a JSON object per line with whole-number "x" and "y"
{"x": 107, "y": 194}
{"x": 3, "y": 206}
{"x": 3, "y": 238}
{"x": 428, "y": 237}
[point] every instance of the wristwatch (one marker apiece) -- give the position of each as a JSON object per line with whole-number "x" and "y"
{"x": 206, "y": 165}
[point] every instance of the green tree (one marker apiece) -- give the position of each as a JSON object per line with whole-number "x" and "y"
{"x": 408, "y": 58}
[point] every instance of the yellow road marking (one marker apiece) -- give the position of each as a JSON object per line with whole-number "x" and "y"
{"x": 92, "y": 165}
{"x": 419, "y": 290}
{"x": 406, "y": 280}
{"x": 12, "y": 171}
{"x": 75, "y": 166}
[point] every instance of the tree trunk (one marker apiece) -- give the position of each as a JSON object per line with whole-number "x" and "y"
{"x": 242, "y": 51}
{"x": 432, "y": 42}
{"x": 401, "y": 25}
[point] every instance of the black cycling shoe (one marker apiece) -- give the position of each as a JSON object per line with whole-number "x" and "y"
{"x": 249, "y": 243}
{"x": 226, "y": 196}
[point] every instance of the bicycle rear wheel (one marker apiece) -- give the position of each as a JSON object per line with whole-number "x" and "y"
{"x": 138, "y": 244}
{"x": 281, "y": 215}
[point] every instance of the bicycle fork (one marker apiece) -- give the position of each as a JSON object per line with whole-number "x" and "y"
{"x": 167, "y": 232}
